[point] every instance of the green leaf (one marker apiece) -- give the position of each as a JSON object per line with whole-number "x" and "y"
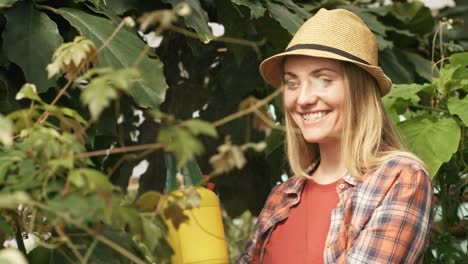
{"x": 200, "y": 127}
{"x": 394, "y": 68}
{"x": 415, "y": 15}
{"x": 7, "y": 3}
{"x": 121, "y": 53}
{"x": 182, "y": 143}
{"x": 459, "y": 58}
{"x": 197, "y": 19}
{"x": 28, "y": 91}
{"x": 291, "y": 22}
{"x": 433, "y": 141}
{"x": 6, "y": 131}
{"x": 403, "y": 91}
{"x": 90, "y": 179}
{"x": 370, "y": 19}
{"x": 103, "y": 88}
{"x": 422, "y": 66}
{"x": 29, "y": 40}
{"x": 294, "y": 7}
{"x": 256, "y": 8}
{"x": 6, "y": 231}
{"x": 459, "y": 107}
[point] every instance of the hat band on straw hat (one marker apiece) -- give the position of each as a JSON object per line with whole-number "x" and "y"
{"x": 328, "y": 49}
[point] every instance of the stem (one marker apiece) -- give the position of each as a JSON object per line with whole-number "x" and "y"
{"x": 253, "y": 44}
{"x": 90, "y": 251}
{"x": 249, "y": 110}
{"x": 153, "y": 146}
{"x": 141, "y": 56}
{"x": 68, "y": 242}
{"x": 45, "y": 7}
{"x": 429, "y": 108}
{"x": 19, "y": 236}
{"x": 127, "y": 158}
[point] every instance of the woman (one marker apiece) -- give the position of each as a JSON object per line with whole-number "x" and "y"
{"x": 357, "y": 196}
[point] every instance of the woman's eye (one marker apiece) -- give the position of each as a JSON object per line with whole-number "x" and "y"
{"x": 291, "y": 84}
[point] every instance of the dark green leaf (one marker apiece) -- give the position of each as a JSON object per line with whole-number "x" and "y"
{"x": 122, "y": 52}
{"x": 297, "y": 9}
{"x": 256, "y": 8}
{"x": 433, "y": 141}
{"x": 25, "y": 31}
{"x": 288, "y": 20}
{"x": 459, "y": 107}
{"x": 394, "y": 67}
{"x": 422, "y": 66}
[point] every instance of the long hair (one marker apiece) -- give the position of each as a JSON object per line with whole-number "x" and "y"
{"x": 368, "y": 138}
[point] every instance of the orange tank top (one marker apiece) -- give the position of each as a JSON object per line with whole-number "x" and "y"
{"x": 301, "y": 237}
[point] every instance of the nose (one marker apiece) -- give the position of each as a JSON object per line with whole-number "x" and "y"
{"x": 307, "y": 95}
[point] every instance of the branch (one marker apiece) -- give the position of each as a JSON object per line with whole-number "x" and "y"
{"x": 249, "y": 110}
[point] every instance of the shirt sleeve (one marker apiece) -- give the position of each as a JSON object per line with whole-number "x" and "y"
{"x": 399, "y": 229}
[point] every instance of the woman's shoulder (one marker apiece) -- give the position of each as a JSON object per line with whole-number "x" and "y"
{"x": 404, "y": 169}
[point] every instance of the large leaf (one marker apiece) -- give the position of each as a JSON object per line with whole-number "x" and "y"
{"x": 394, "y": 67}
{"x": 433, "y": 141}
{"x": 121, "y": 53}
{"x": 288, "y": 20}
{"x": 297, "y": 9}
{"x": 460, "y": 108}
{"x": 422, "y": 66}
{"x": 7, "y": 3}
{"x": 29, "y": 40}
{"x": 197, "y": 19}
{"x": 256, "y": 8}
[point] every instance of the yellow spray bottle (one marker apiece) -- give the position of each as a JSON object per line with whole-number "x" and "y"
{"x": 200, "y": 239}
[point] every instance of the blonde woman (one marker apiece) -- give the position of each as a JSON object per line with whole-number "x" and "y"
{"x": 357, "y": 195}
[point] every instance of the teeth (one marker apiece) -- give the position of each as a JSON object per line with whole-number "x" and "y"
{"x": 313, "y": 116}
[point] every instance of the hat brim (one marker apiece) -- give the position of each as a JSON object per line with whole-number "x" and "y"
{"x": 272, "y": 72}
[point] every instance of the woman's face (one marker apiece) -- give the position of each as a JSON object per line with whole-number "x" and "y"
{"x": 314, "y": 95}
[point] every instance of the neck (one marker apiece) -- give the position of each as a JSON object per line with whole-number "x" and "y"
{"x": 331, "y": 166}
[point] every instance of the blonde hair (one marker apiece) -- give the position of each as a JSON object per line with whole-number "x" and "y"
{"x": 368, "y": 139}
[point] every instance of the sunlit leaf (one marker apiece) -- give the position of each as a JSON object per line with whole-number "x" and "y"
{"x": 459, "y": 107}
{"x": 104, "y": 86}
{"x": 7, "y": 3}
{"x": 406, "y": 92}
{"x": 433, "y": 141}
{"x": 72, "y": 58}
{"x": 29, "y": 40}
{"x": 6, "y": 131}
{"x": 12, "y": 256}
{"x": 28, "y": 91}
{"x": 13, "y": 200}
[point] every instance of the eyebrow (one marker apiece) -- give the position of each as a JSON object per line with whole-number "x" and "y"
{"x": 314, "y": 71}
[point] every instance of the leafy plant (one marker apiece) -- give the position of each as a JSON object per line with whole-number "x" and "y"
{"x": 84, "y": 99}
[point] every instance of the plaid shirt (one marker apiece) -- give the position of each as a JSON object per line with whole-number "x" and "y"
{"x": 386, "y": 218}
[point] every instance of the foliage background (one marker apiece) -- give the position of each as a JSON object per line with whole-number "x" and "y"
{"x": 192, "y": 71}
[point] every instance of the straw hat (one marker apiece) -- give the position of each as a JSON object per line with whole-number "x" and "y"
{"x": 336, "y": 34}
